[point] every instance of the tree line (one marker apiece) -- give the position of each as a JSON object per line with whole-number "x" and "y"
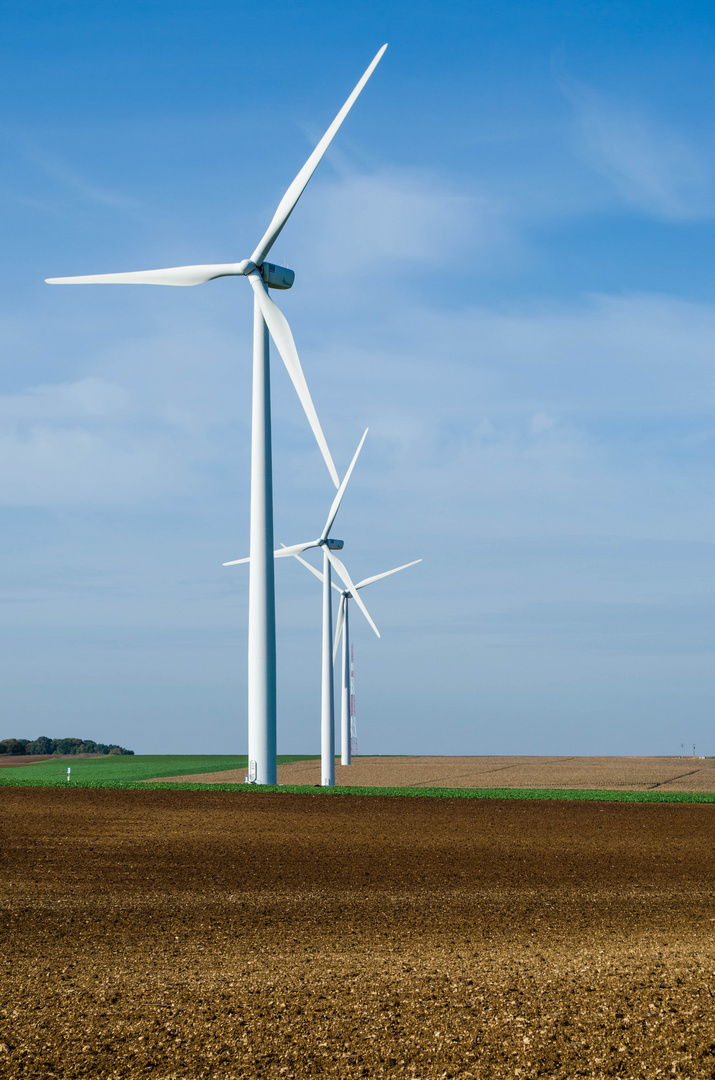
{"x": 43, "y": 745}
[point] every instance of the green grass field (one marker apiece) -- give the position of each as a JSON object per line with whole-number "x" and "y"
{"x": 128, "y": 773}
{"x": 114, "y": 769}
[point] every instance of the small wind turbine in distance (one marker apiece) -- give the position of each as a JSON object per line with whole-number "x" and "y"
{"x": 343, "y": 627}
{"x": 329, "y": 546}
{"x": 267, "y": 318}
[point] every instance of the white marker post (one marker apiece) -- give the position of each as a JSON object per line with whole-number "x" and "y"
{"x": 68, "y": 774}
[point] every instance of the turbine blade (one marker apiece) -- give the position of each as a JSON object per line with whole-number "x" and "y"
{"x": 296, "y": 189}
{"x": 341, "y": 490}
{"x": 339, "y": 625}
{"x": 317, "y": 572}
{"x": 282, "y": 551}
{"x": 343, "y": 574}
{"x": 376, "y": 577}
{"x": 308, "y": 566}
{"x": 281, "y": 333}
{"x": 295, "y": 549}
{"x": 171, "y": 275}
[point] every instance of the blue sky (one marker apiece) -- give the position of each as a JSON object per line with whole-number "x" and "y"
{"x": 504, "y": 266}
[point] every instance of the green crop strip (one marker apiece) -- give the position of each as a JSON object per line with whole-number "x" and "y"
{"x": 112, "y": 768}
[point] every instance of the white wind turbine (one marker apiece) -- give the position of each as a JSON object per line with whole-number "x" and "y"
{"x": 330, "y": 559}
{"x": 343, "y": 627}
{"x": 267, "y": 318}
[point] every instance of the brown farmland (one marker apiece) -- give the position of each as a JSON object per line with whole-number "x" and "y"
{"x": 178, "y": 934}
{"x": 590, "y": 773}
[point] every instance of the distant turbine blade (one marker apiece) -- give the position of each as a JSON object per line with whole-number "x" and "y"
{"x": 339, "y": 625}
{"x": 281, "y": 552}
{"x": 345, "y": 576}
{"x": 341, "y": 490}
{"x": 376, "y": 577}
{"x": 171, "y": 275}
{"x": 317, "y": 573}
{"x": 296, "y": 549}
{"x": 281, "y": 333}
{"x": 312, "y": 569}
{"x": 296, "y": 189}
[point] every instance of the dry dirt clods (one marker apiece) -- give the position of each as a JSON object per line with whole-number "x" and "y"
{"x": 174, "y": 935}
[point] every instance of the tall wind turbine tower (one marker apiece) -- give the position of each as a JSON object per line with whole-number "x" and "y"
{"x": 267, "y": 319}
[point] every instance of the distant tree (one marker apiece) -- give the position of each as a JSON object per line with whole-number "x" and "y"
{"x": 61, "y": 747}
{"x": 13, "y": 746}
{"x": 66, "y": 746}
{"x": 43, "y": 745}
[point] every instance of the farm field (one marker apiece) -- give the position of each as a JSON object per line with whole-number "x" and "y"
{"x": 180, "y": 934}
{"x": 483, "y": 772}
{"x": 118, "y": 769}
{"x": 619, "y": 778}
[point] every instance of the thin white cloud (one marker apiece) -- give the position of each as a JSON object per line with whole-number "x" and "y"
{"x": 651, "y": 166}
{"x": 595, "y": 417}
{"x": 69, "y": 177}
{"x": 87, "y": 399}
{"x": 363, "y": 219}
{"x": 79, "y": 443}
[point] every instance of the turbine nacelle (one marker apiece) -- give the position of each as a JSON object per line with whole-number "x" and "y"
{"x": 275, "y": 277}
{"x": 334, "y": 545}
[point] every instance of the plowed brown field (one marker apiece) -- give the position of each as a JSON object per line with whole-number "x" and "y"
{"x": 178, "y": 934}
{"x": 589, "y": 773}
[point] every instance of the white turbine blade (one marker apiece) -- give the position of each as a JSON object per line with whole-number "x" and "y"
{"x": 339, "y": 625}
{"x": 281, "y": 333}
{"x": 295, "y": 549}
{"x": 376, "y": 577}
{"x": 317, "y": 573}
{"x": 341, "y": 490}
{"x": 296, "y": 189}
{"x": 171, "y": 275}
{"x": 312, "y": 569}
{"x": 345, "y": 577}
{"x": 283, "y": 550}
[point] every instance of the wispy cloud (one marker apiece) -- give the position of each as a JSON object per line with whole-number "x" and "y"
{"x": 71, "y": 179}
{"x": 83, "y": 443}
{"x": 592, "y": 417}
{"x": 365, "y": 218}
{"x": 651, "y": 166}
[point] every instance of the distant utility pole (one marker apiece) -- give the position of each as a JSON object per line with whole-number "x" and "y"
{"x": 682, "y": 748}
{"x": 693, "y": 749}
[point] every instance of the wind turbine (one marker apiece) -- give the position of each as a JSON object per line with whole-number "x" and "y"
{"x": 343, "y": 627}
{"x": 267, "y": 318}
{"x": 330, "y": 559}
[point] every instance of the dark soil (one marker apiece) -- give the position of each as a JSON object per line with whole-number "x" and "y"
{"x": 8, "y": 760}
{"x": 174, "y": 934}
